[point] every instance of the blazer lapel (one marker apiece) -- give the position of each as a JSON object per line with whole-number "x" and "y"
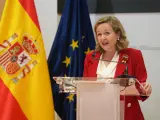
{"x": 120, "y": 67}
{"x": 95, "y": 64}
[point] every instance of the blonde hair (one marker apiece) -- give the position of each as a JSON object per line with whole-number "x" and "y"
{"x": 117, "y": 28}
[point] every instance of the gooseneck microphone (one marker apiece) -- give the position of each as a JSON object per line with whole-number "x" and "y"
{"x": 125, "y": 73}
{"x": 129, "y": 79}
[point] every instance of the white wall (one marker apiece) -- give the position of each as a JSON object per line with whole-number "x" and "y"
{"x": 47, "y": 14}
{"x": 143, "y": 32}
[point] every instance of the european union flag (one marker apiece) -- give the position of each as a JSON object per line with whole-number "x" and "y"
{"x": 74, "y": 39}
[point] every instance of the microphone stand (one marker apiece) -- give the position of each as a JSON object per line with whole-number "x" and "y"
{"x": 125, "y": 73}
{"x": 125, "y": 82}
{"x": 127, "y": 79}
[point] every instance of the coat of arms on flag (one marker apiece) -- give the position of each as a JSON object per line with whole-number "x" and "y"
{"x": 24, "y": 76}
{"x": 17, "y": 57}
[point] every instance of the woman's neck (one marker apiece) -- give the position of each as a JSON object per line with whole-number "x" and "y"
{"x": 108, "y": 55}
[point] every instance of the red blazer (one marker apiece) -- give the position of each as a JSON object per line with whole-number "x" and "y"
{"x": 136, "y": 67}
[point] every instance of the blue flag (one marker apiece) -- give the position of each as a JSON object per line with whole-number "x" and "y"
{"x": 73, "y": 40}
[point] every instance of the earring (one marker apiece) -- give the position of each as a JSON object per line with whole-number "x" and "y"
{"x": 118, "y": 38}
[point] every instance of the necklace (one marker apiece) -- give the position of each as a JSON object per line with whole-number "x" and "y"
{"x": 106, "y": 63}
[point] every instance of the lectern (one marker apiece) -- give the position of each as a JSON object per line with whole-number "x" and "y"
{"x": 99, "y": 98}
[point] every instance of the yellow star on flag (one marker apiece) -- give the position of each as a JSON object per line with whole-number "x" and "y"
{"x": 67, "y": 61}
{"x": 70, "y": 97}
{"x": 88, "y": 50}
{"x": 74, "y": 44}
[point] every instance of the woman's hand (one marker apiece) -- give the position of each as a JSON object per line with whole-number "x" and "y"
{"x": 146, "y": 88}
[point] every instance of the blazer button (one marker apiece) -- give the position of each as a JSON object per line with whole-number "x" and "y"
{"x": 129, "y": 105}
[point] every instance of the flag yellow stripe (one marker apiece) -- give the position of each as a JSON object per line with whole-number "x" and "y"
{"x": 33, "y": 92}
{"x": 29, "y": 7}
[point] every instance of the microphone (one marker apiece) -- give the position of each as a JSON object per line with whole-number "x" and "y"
{"x": 125, "y": 73}
{"x": 128, "y": 79}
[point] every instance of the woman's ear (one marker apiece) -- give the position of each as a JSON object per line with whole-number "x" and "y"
{"x": 118, "y": 35}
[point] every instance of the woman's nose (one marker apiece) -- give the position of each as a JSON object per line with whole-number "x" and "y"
{"x": 103, "y": 36}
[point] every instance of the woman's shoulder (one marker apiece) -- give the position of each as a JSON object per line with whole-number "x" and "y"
{"x": 134, "y": 54}
{"x": 130, "y": 51}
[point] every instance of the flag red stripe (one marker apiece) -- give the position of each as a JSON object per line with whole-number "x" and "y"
{"x": 4, "y": 64}
{"x": 29, "y": 6}
{"x": 5, "y": 60}
{"x": 9, "y": 107}
{"x": 7, "y": 53}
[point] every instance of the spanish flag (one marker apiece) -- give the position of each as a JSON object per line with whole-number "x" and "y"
{"x": 25, "y": 89}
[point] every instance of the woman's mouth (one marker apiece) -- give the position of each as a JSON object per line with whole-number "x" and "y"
{"x": 105, "y": 43}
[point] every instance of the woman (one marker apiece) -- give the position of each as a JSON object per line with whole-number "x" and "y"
{"x": 112, "y": 45}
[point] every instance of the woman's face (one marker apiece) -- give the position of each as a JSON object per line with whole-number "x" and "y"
{"x": 106, "y": 37}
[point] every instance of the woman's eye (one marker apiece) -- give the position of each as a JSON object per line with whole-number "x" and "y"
{"x": 98, "y": 34}
{"x": 107, "y": 33}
